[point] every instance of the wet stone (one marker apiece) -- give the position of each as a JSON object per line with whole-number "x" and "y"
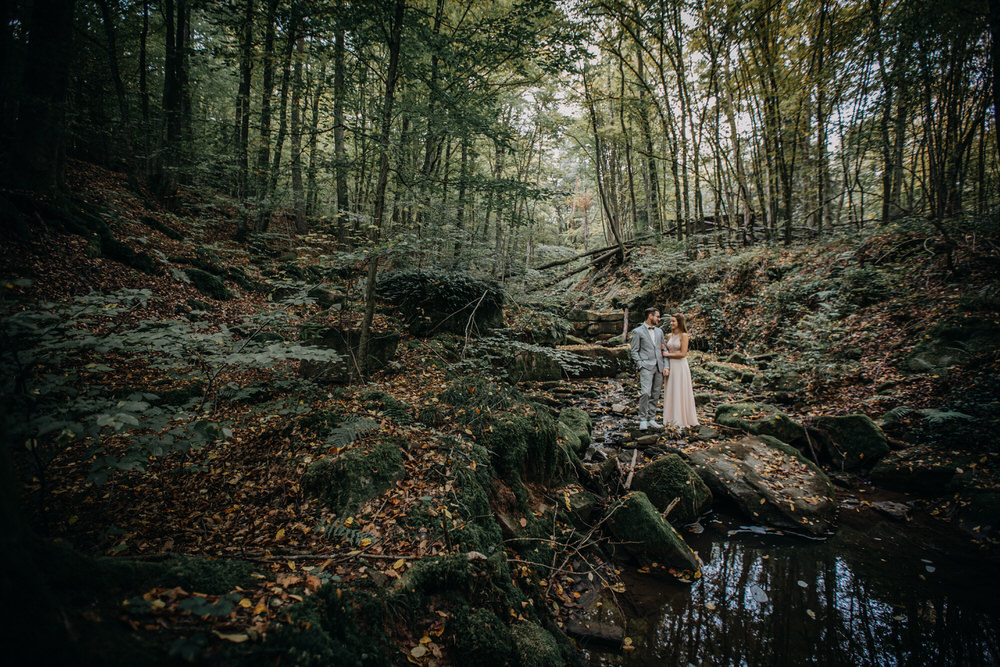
{"x": 898, "y": 511}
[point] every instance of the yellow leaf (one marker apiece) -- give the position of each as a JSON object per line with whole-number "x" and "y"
{"x": 348, "y": 521}
{"x": 279, "y": 534}
{"x": 260, "y": 608}
{"x": 398, "y": 564}
{"x": 418, "y": 651}
{"x": 366, "y": 541}
{"x": 245, "y": 603}
{"x": 235, "y": 638}
{"x": 425, "y": 640}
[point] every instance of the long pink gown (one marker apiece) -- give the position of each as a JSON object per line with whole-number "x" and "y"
{"x": 678, "y": 394}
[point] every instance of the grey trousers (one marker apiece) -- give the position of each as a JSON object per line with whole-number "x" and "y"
{"x": 650, "y": 384}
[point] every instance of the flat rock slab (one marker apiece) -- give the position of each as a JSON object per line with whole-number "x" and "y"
{"x": 770, "y": 481}
{"x": 593, "y": 632}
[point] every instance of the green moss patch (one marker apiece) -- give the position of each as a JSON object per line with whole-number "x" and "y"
{"x": 669, "y": 478}
{"x": 208, "y": 284}
{"x": 643, "y": 531}
{"x": 347, "y": 481}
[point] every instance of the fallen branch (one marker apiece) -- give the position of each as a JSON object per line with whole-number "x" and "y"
{"x": 596, "y": 251}
{"x": 573, "y": 272}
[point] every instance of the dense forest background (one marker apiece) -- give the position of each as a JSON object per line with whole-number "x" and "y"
{"x": 482, "y": 131}
{"x": 312, "y": 313}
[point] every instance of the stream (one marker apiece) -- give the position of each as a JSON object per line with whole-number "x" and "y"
{"x": 880, "y": 591}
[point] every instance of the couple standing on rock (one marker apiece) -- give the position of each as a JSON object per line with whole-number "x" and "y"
{"x": 663, "y": 362}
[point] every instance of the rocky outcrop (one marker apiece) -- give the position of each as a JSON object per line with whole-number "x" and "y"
{"x": 596, "y": 326}
{"x": 769, "y": 481}
{"x": 669, "y": 479}
{"x": 599, "y": 361}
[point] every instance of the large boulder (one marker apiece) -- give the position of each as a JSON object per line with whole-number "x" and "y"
{"x": 769, "y": 481}
{"x": 851, "y": 441}
{"x": 644, "y": 532}
{"x": 920, "y": 469}
{"x": 669, "y": 478}
{"x": 762, "y": 419}
{"x": 381, "y": 350}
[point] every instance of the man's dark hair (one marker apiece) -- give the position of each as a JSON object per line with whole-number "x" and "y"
{"x": 650, "y": 311}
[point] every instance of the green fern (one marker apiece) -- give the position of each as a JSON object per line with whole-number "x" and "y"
{"x": 932, "y": 415}
{"x": 350, "y": 430}
{"x": 938, "y": 416}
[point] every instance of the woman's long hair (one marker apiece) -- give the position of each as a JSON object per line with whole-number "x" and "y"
{"x": 681, "y": 324}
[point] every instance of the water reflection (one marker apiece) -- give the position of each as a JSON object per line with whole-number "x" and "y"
{"x": 879, "y": 594}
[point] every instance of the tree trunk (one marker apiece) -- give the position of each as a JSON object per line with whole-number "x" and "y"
{"x": 383, "y": 180}
{"x": 298, "y": 191}
{"x": 339, "y": 153}
{"x": 312, "y": 187}
{"x": 39, "y": 157}
{"x": 243, "y": 103}
{"x": 267, "y": 90}
{"x": 116, "y": 79}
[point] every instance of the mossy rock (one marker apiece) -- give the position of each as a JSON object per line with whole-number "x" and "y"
{"x": 523, "y": 443}
{"x": 645, "y": 532}
{"x": 669, "y": 478}
{"x": 469, "y": 578}
{"x": 579, "y": 426}
{"x": 582, "y": 508}
{"x": 433, "y": 302}
{"x": 481, "y": 638}
{"x": 724, "y": 371}
{"x": 334, "y": 626}
{"x": 951, "y": 342}
{"x": 761, "y": 419}
{"x": 702, "y": 377}
{"x": 208, "y": 284}
{"x": 345, "y": 482}
{"x": 533, "y": 366}
{"x": 919, "y": 469}
{"x": 852, "y": 441}
{"x": 535, "y": 646}
{"x": 703, "y": 398}
{"x": 739, "y": 358}
{"x": 399, "y": 411}
{"x": 480, "y": 530}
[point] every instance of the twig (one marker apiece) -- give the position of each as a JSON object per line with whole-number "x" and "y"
{"x": 628, "y": 480}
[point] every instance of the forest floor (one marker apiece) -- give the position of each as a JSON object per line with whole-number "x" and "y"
{"x": 241, "y": 498}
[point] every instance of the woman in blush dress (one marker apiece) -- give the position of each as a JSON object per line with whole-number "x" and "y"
{"x": 678, "y": 394}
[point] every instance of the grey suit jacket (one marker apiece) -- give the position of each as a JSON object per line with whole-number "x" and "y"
{"x": 645, "y": 347}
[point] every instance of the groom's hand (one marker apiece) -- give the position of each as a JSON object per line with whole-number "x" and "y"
{"x": 666, "y": 372}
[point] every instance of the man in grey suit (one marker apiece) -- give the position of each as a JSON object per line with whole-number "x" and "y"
{"x": 646, "y": 342}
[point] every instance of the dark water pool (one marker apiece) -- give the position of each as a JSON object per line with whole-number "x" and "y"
{"x": 877, "y": 593}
